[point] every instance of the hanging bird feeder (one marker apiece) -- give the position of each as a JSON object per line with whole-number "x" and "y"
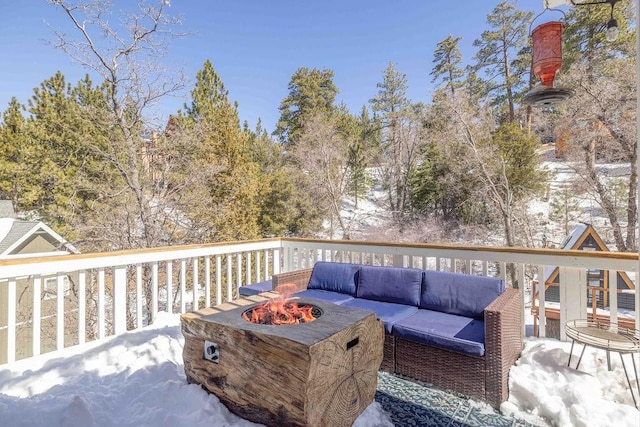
{"x": 546, "y": 62}
{"x": 547, "y": 51}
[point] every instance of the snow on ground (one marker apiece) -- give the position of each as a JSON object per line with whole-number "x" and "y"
{"x": 137, "y": 379}
{"x": 587, "y": 209}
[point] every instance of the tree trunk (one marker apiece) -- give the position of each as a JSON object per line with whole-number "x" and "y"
{"x": 605, "y": 199}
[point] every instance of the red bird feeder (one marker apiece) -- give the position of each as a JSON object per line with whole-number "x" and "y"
{"x": 547, "y": 51}
{"x": 546, "y": 62}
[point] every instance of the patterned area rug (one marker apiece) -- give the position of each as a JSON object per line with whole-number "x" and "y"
{"x": 410, "y": 403}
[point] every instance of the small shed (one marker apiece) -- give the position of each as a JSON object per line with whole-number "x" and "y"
{"x": 585, "y": 238}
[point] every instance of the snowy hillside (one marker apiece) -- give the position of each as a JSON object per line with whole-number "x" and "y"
{"x": 371, "y": 219}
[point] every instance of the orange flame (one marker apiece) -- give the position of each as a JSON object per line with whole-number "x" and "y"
{"x": 281, "y": 311}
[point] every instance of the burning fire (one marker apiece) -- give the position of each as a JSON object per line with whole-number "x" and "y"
{"x": 281, "y": 311}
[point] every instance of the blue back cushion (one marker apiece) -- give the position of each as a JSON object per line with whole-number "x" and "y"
{"x": 334, "y": 277}
{"x": 390, "y": 284}
{"x": 460, "y": 294}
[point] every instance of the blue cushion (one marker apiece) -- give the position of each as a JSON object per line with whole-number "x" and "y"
{"x": 334, "y": 277}
{"x": 388, "y": 312}
{"x": 456, "y": 333}
{"x": 457, "y": 293}
{"x": 255, "y": 288}
{"x": 390, "y": 284}
{"x": 334, "y": 297}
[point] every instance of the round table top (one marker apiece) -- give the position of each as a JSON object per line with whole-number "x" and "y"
{"x": 606, "y": 336}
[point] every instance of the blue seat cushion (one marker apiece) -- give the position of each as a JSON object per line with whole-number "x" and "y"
{"x": 456, "y": 293}
{"x": 334, "y": 277}
{"x": 334, "y": 297}
{"x": 448, "y": 331}
{"x": 388, "y": 312}
{"x": 255, "y": 288}
{"x": 390, "y": 284}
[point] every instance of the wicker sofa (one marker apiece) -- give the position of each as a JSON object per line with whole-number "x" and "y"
{"x": 456, "y": 331}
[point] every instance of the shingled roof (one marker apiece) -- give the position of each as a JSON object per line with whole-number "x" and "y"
{"x": 15, "y": 233}
{"x": 17, "y": 230}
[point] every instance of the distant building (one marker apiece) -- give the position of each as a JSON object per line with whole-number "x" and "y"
{"x": 584, "y": 237}
{"x": 27, "y": 239}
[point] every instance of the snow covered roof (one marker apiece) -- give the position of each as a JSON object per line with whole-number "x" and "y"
{"x": 572, "y": 241}
{"x": 582, "y": 237}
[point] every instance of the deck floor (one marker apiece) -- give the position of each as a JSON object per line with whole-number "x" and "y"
{"x": 411, "y": 403}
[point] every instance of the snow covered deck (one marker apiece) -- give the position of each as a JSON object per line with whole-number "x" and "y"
{"x": 137, "y": 379}
{"x": 96, "y": 360}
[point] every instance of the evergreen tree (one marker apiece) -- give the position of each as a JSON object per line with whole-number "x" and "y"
{"x": 16, "y": 154}
{"x": 584, "y": 34}
{"x": 359, "y": 156}
{"x": 443, "y": 183}
{"x": 564, "y": 207}
{"x": 222, "y": 197}
{"x": 208, "y": 94}
{"x": 58, "y": 128}
{"x": 599, "y": 119}
{"x": 400, "y": 124}
{"x": 496, "y": 47}
{"x": 447, "y": 59}
{"x": 311, "y": 93}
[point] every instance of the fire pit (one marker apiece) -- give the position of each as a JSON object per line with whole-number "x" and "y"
{"x": 320, "y": 372}
{"x": 282, "y": 310}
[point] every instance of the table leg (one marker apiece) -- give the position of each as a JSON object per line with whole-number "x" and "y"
{"x": 628, "y": 380}
{"x": 635, "y": 371}
{"x": 581, "y": 354}
{"x": 571, "y": 352}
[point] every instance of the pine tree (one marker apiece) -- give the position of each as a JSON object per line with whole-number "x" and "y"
{"x": 208, "y": 94}
{"x": 222, "y": 197}
{"x": 564, "y": 207}
{"x": 599, "y": 119}
{"x": 399, "y": 124}
{"x": 311, "y": 93}
{"x": 16, "y": 153}
{"x": 447, "y": 59}
{"x": 359, "y": 157}
{"x": 495, "y": 54}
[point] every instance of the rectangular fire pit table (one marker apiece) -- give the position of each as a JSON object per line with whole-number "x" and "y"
{"x": 320, "y": 373}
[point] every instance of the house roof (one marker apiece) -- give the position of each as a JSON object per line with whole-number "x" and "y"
{"x": 575, "y": 240}
{"x": 14, "y": 232}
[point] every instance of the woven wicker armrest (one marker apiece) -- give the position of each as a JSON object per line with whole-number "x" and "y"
{"x": 504, "y": 325}
{"x": 300, "y": 278}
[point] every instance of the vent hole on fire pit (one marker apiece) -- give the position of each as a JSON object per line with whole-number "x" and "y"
{"x": 354, "y": 342}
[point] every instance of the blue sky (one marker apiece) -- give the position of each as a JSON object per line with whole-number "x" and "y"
{"x": 256, "y": 45}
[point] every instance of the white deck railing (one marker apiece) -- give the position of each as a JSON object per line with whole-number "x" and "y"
{"x": 109, "y": 293}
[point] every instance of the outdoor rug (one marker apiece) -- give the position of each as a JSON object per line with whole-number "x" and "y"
{"x": 411, "y": 403}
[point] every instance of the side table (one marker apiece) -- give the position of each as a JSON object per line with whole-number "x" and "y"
{"x": 608, "y": 337}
